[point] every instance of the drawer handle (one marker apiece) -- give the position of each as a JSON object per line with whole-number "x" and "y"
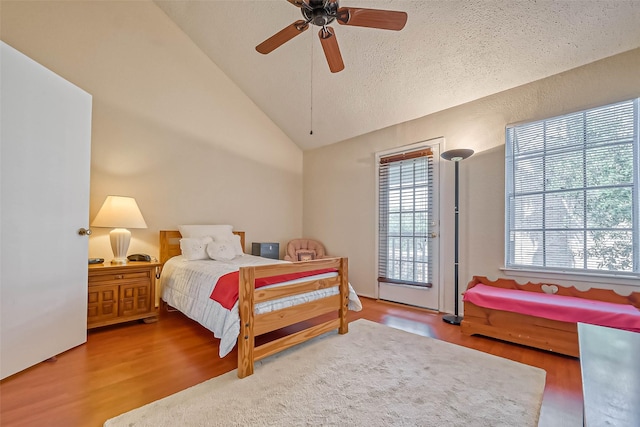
{"x": 119, "y": 276}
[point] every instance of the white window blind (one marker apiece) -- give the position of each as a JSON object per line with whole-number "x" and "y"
{"x": 405, "y": 217}
{"x": 572, "y": 191}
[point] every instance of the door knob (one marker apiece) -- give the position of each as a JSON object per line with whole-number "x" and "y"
{"x": 84, "y": 231}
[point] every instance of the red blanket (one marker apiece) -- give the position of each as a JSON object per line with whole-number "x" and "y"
{"x": 227, "y": 289}
{"x": 556, "y": 307}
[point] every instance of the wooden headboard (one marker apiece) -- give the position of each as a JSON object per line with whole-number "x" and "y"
{"x": 170, "y": 243}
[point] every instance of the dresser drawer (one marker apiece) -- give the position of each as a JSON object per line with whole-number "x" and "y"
{"x": 114, "y": 276}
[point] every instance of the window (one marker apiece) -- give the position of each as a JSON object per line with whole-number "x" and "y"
{"x": 405, "y": 209}
{"x": 572, "y": 192}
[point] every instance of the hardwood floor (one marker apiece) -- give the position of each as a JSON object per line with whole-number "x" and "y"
{"x": 126, "y": 366}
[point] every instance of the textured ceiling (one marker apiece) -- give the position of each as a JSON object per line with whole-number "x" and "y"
{"x": 450, "y": 52}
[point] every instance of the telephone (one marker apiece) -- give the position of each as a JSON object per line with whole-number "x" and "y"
{"x": 139, "y": 257}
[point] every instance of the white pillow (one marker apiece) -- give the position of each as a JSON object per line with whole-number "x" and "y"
{"x": 233, "y": 240}
{"x": 204, "y": 230}
{"x": 236, "y": 243}
{"x": 221, "y": 251}
{"x": 195, "y": 248}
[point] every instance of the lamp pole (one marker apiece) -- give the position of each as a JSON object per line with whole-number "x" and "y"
{"x": 455, "y": 156}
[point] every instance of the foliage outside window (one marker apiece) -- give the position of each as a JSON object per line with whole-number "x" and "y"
{"x": 405, "y": 209}
{"x": 572, "y": 192}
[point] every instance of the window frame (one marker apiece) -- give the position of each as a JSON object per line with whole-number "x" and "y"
{"x": 585, "y": 274}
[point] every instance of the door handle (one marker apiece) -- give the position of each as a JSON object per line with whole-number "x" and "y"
{"x": 84, "y": 231}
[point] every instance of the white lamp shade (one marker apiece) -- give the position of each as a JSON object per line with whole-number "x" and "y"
{"x": 119, "y": 212}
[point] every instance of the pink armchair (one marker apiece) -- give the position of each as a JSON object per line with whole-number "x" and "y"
{"x": 304, "y": 250}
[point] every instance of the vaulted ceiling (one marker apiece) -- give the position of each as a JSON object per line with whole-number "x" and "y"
{"x": 450, "y": 52}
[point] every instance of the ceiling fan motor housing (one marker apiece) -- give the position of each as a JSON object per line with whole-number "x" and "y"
{"x": 320, "y": 12}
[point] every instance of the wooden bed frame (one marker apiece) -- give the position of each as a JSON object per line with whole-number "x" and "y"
{"x": 546, "y": 334}
{"x": 252, "y": 325}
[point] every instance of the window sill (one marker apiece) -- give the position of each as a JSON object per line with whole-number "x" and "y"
{"x": 611, "y": 279}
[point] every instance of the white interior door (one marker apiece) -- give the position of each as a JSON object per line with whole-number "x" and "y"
{"x": 45, "y": 158}
{"x": 412, "y": 227}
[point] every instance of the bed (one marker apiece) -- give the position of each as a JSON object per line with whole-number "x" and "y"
{"x": 188, "y": 286}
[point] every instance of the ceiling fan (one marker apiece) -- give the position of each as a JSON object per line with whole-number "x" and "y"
{"x": 323, "y": 12}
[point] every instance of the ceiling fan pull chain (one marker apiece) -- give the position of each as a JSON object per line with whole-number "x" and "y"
{"x": 311, "y": 93}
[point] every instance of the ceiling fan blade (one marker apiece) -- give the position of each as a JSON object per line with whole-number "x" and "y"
{"x": 372, "y": 18}
{"x": 331, "y": 50}
{"x": 282, "y": 36}
{"x": 297, "y": 3}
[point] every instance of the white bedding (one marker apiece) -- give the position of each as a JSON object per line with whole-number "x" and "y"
{"x": 187, "y": 286}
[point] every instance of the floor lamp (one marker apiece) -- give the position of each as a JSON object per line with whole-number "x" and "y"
{"x": 455, "y": 156}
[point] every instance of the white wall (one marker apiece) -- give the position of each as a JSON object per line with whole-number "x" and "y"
{"x": 339, "y": 180}
{"x": 169, "y": 128}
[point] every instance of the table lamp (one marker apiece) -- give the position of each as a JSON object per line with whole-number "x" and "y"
{"x": 119, "y": 213}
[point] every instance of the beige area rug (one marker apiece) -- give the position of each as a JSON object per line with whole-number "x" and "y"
{"x": 373, "y": 376}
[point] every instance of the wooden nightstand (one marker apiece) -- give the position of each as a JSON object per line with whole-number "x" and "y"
{"x": 121, "y": 293}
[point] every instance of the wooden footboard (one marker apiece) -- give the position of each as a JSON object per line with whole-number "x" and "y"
{"x": 252, "y": 325}
{"x": 546, "y": 334}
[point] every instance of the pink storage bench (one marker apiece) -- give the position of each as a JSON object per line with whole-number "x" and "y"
{"x": 527, "y": 315}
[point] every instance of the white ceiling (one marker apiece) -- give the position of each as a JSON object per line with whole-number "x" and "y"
{"x": 450, "y": 52}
